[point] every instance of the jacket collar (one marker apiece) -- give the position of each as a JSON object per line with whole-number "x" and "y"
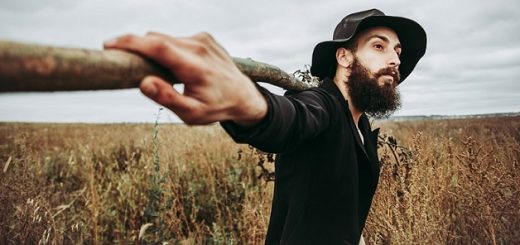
{"x": 329, "y": 86}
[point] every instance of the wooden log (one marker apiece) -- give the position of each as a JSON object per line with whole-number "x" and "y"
{"x": 29, "y": 67}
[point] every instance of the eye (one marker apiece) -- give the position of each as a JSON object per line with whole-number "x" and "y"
{"x": 378, "y": 46}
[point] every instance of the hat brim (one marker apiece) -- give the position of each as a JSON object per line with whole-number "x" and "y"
{"x": 411, "y": 36}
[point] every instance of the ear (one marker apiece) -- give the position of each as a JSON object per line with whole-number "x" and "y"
{"x": 344, "y": 57}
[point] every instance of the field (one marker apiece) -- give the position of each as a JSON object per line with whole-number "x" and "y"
{"x": 442, "y": 182}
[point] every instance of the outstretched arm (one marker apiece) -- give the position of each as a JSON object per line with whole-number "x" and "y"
{"x": 214, "y": 89}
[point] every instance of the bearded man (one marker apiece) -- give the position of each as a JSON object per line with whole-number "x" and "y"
{"x": 327, "y": 168}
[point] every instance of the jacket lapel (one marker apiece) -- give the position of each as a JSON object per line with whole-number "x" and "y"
{"x": 331, "y": 88}
{"x": 359, "y": 142}
{"x": 370, "y": 147}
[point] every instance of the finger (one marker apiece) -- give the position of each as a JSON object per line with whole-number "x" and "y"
{"x": 164, "y": 94}
{"x": 190, "y": 110}
{"x": 198, "y": 45}
{"x": 201, "y": 43}
{"x": 155, "y": 48}
{"x": 148, "y": 87}
{"x": 188, "y": 42}
{"x": 161, "y": 35}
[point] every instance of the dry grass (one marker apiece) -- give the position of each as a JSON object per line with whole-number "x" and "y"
{"x": 456, "y": 182}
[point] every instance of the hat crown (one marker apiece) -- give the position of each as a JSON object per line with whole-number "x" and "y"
{"x": 348, "y": 25}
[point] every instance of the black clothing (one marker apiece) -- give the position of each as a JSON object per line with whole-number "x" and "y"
{"x": 325, "y": 176}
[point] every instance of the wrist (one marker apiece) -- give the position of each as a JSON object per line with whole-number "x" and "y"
{"x": 252, "y": 110}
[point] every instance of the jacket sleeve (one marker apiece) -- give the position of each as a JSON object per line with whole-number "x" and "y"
{"x": 290, "y": 120}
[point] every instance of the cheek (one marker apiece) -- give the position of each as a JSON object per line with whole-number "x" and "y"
{"x": 373, "y": 69}
{"x": 372, "y": 64}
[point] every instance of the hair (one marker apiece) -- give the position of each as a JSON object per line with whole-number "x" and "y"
{"x": 350, "y": 45}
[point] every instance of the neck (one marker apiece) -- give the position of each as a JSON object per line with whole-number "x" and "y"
{"x": 341, "y": 83}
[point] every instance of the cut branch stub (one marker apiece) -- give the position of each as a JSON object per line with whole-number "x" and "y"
{"x": 28, "y": 67}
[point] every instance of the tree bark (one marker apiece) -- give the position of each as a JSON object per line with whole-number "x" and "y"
{"x": 28, "y": 67}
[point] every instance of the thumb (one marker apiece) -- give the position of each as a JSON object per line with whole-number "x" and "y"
{"x": 164, "y": 94}
{"x": 148, "y": 87}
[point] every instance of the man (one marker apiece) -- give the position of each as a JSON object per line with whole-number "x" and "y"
{"x": 327, "y": 166}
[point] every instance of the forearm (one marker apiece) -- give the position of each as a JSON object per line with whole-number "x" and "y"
{"x": 267, "y": 134}
{"x": 288, "y": 121}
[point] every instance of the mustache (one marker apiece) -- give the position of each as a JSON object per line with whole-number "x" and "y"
{"x": 389, "y": 71}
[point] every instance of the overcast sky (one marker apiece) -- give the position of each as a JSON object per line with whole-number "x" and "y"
{"x": 471, "y": 65}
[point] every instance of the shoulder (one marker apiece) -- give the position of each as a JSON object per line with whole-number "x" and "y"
{"x": 317, "y": 100}
{"x": 317, "y": 94}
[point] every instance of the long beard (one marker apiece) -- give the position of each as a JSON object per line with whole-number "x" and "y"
{"x": 368, "y": 96}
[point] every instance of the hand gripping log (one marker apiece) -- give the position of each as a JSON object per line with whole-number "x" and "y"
{"x": 29, "y": 67}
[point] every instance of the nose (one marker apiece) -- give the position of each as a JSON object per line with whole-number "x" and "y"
{"x": 394, "y": 60}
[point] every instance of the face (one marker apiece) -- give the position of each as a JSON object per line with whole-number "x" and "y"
{"x": 372, "y": 85}
{"x": 378, "y": 48}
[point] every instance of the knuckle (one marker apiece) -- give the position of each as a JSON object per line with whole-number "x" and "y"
{"x": 200, "y": 48}
{"x": 167, "y": 99}
{"x": 159, "y": 46}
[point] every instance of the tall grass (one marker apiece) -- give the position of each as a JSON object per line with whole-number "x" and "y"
{"x": 450, "y": 181}
{"x": 456, "y": 183}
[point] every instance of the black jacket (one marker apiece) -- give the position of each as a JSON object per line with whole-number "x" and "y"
{"x": 325, "y": 176}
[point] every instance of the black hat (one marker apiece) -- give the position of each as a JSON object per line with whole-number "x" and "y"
{"x": 411, "y": 35}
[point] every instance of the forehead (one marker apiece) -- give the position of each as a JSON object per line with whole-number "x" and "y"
{"x": 378, "y": 31}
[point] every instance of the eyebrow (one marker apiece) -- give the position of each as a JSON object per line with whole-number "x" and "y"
{"x": 398, "y": 45}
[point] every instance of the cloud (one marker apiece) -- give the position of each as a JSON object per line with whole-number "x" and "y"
{"x": 26, "y": 6}
{"x": 471, "y": 64}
